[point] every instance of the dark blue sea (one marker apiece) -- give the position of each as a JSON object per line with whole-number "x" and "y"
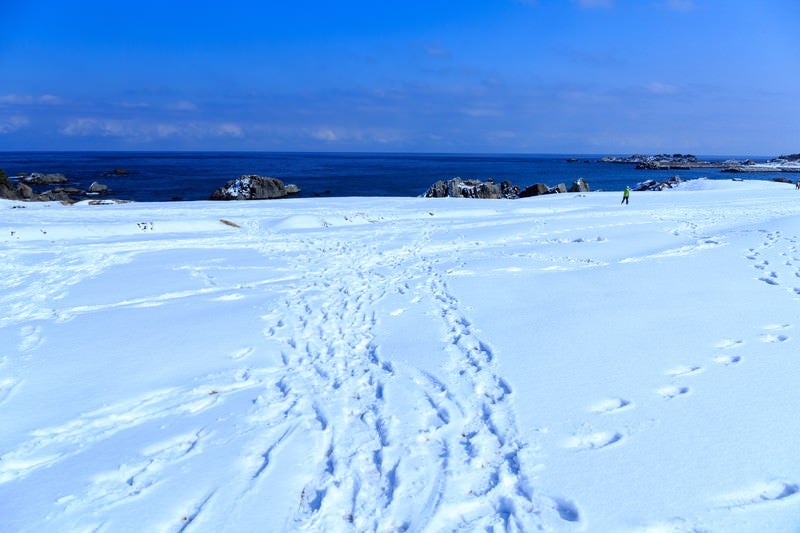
{"x": 165, "y": 176}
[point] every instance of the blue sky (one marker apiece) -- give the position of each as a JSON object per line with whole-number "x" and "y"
{"x": 510, "y": 76}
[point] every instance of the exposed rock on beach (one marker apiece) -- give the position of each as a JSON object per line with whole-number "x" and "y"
{"x": 252, "y": 187}
{"x": 458, "y": 188}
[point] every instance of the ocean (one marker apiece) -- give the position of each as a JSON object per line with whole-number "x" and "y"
{"x": 165, "y": 176}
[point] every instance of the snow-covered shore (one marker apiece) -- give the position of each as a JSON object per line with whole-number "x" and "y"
{"x": 559, "y": 363}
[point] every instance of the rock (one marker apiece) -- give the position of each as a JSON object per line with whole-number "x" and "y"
{"x": 645, "y": 185}
{"x": 117, "y": 172}
{"x": 251, "y": 187}
{"x": 23, "y": 191}
{"x": 458, "y": 188}
{"x": 537, "y": 189}
{"x": 54, "y": 196}
{"x": 579, "y": 185}
{"x": 96, "y": 187}
{"x": 291, "y": 188}
{"x": 653, "y": 185}
{"x": 37, "y": 178}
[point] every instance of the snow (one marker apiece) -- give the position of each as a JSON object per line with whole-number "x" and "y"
{"x": 559, "y": 363}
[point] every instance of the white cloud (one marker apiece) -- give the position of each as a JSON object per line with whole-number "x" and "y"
{"x": 85, "y": 127}
{"x": 134, "y": 105}
{"x": 659, "y": 88}
{"x": 182, "y": 105}
{"x": 25, "y": 99}
{"x": 13, "y": 123}
{"x": 141, "y": 131}
{"x": 49, "y": 99}
{"x": 166, "y": 130}
{"x": 325, "y": 134}
{"x": 230, "y": 129}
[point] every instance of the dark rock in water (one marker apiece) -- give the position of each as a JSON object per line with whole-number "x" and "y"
{"x": 782, "y": 180}
{"x": 579, "y": 185}
{"x": 37, "y": 178}
{"x": 252, "y": 187}
{"x": 458, "y": 188}
{"x": 98, "y": 187}
{"x": 116, "y": 172}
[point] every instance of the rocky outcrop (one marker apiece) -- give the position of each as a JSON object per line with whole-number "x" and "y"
{"x": 116, "y": 172}
{"x": 37, "y": 178}
{"x": 653, "y": 185}
{"x": 252, "y": 187}
{"x": 579, "y": 185}
{"x": 97, "y": 188}
{"x": 784, "y": 163}
{"x": 539, "y": 189}
{"x": 458, "y": 188}
{"x": 666, "y": 162}
{"x": 21, "y": 191}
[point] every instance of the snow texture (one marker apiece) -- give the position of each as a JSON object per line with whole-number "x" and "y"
{"x": 560, "y": 363}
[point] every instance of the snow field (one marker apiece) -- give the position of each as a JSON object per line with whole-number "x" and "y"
{"x": 358, "y": 364}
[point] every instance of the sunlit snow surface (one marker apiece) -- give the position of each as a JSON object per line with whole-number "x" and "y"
{"x": 561, "y": 363}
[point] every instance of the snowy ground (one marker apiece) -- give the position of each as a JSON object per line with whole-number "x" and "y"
{"x": 561, "y": 363}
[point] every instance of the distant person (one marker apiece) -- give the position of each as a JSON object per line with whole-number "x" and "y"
{"x": 626, "y": 194}
{"x": 797, "y": 185}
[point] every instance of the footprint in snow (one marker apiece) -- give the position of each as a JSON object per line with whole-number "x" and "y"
{"x": 770, "y": 338}
{"x": 770, "y": 280}
{"x": 776, "y": 327}
{"x": 30, "y": 338}
{"x": 726, "y": 344}
{"x": 610, "y": 405}
{"x": 593, "y": 441}
{"x": 242, "y": 353}
{"x": 760, "y": 493}
{"x": 671, "y": 391}
{"x": 727, "y": 360}
{"x": 7, "y": 385}
{"x": 683, "y": 370}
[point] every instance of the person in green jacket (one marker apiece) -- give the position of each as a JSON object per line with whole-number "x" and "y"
{"x": 626, "y": 194}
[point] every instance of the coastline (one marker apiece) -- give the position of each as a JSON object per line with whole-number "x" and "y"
{"x": 173, "y": 176}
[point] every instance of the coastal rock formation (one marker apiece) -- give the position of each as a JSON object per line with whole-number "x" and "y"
{"x": 458, "y": 188}
{"x": 538, "y": 189}
{"x": 22, "y": 191}
{"x": 96, "y": 187}
{"x": 37, "y": 178}
{"x": 116, "y": 172}
{"x": 784, "y": 163}
{"x": 653, "y": 185}
{"x": 252, "y": 187}
{"x": 579, "y": 185}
